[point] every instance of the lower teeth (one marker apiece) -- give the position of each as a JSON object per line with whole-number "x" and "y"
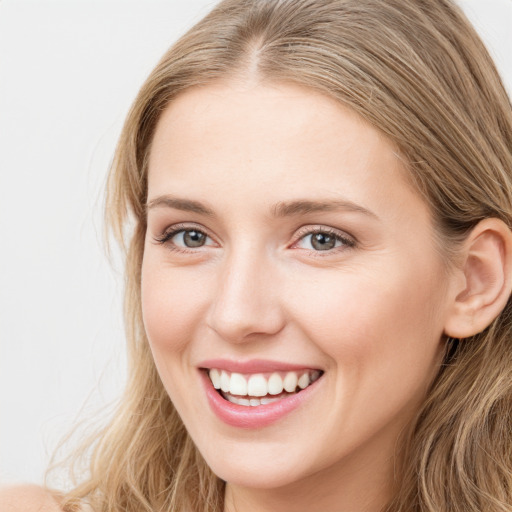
{"x": 254, "y": 402}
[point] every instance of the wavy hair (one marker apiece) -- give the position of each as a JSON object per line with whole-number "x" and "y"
{"x": 417, "y": 71}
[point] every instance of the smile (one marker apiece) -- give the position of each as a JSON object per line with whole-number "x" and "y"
{"x": 253, "y": 390}
{"x": 257, "y": 394}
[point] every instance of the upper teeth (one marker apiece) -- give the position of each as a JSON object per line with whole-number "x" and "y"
{"x": 260, "y": 384}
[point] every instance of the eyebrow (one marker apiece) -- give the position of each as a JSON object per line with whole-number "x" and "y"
{"x": 280, "y": 209}
{"x": 177, "y": 203}
{"x": 302, "y": 207}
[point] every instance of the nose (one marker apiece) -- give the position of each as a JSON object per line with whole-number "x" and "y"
{"x": 246, "y": 302}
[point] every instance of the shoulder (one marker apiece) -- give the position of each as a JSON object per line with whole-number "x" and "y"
{"x": 27, "y": 498}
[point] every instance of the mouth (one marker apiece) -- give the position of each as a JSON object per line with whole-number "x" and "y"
{"x": 258, "y": 393}
{"x": 261, "y": 389}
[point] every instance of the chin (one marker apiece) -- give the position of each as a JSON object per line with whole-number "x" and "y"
{"x": 257, "y": 478}
{"x": 264, "y": 473}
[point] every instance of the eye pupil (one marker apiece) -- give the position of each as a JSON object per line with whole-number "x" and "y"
{"x": 194, "y": 238}
{"x": 322, "y": 241}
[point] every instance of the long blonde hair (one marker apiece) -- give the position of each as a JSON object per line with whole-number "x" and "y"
{"x": 417, "y": 71}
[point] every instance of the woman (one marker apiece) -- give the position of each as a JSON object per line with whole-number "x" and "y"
{"x": 319, "y": 268}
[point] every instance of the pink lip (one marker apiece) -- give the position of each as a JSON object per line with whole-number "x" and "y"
{"x": 253, "y": 366}
{"x": 253, "y": 417}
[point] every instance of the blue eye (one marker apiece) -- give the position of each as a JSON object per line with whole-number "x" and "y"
{"x": 323, "y": 240}
{"x": 316, "y": 240}
{"x": 184, "y": 238}
{"x": 190, "y": 238}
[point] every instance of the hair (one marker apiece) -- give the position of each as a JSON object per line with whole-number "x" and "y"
{"x": 418, "y": 72}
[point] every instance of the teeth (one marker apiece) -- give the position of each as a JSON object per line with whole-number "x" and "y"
{"x": 237, "y": 385}
{"x": 253, "y": 402}
{"x": 265, "y": 401}
{"x": 275, "y": 384}
{"x": 303, "y": 381}
{"x": 215, "y": 377}
{"x": 258, "y": 385}
{"x": 224, "y": 381}
{"x": 290, "y": 382}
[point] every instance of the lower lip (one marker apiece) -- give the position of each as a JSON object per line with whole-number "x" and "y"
{"x": 249, "y": 417}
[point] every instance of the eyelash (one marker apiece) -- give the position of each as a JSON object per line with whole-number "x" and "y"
{"x": 166, "y": 237}
{"x": 348, "y": 242}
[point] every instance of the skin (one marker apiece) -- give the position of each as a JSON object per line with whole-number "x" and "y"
{"x": 24, "y": 498}
{"x": 370, "y": 314}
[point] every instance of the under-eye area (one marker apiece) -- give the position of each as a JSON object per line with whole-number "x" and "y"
{"x": 258, "y": 389}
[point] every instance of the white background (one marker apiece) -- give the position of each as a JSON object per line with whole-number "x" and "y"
{"x": 68, "y": 73}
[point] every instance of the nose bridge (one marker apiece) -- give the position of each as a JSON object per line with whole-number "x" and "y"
{"x": 246, "y": 300}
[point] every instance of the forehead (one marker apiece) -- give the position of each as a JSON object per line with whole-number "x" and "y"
{"x": 251, "y": 143}
{"x": 242, "y": 117}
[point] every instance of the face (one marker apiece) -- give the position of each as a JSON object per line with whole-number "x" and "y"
{"x": 285, "y": 247}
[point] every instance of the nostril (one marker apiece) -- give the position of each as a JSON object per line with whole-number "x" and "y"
{"x": 244, "y": 308}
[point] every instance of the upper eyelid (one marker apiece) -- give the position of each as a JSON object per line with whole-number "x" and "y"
{"x": 171, "y": 231}
{"x": 176, "y": 228}
{"x": 303, "y": 230}
{"x": 319, "y": 228}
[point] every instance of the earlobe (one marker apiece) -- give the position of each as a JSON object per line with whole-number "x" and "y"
{"x": 486, "y": 279}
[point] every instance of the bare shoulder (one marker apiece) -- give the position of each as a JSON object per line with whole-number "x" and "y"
{"x": 27, "y": 498}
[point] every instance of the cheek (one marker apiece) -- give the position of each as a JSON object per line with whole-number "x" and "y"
{"x": 390, "y": 317}
{"x": 171, "y": 305}
{"x": 382, "y": 335}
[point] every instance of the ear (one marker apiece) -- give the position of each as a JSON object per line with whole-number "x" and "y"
{"x": 483, "y": 283}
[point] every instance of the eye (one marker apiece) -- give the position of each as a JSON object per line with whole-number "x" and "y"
{"x": 321, "y": 240}
{"x": 181, "y": 238}
{"x": 189, "y": 238}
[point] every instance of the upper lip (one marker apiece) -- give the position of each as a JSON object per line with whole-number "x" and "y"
{"x": 253, "y": 366}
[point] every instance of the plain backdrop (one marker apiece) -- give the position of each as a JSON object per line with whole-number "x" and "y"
{"x": 69, "y": 70}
